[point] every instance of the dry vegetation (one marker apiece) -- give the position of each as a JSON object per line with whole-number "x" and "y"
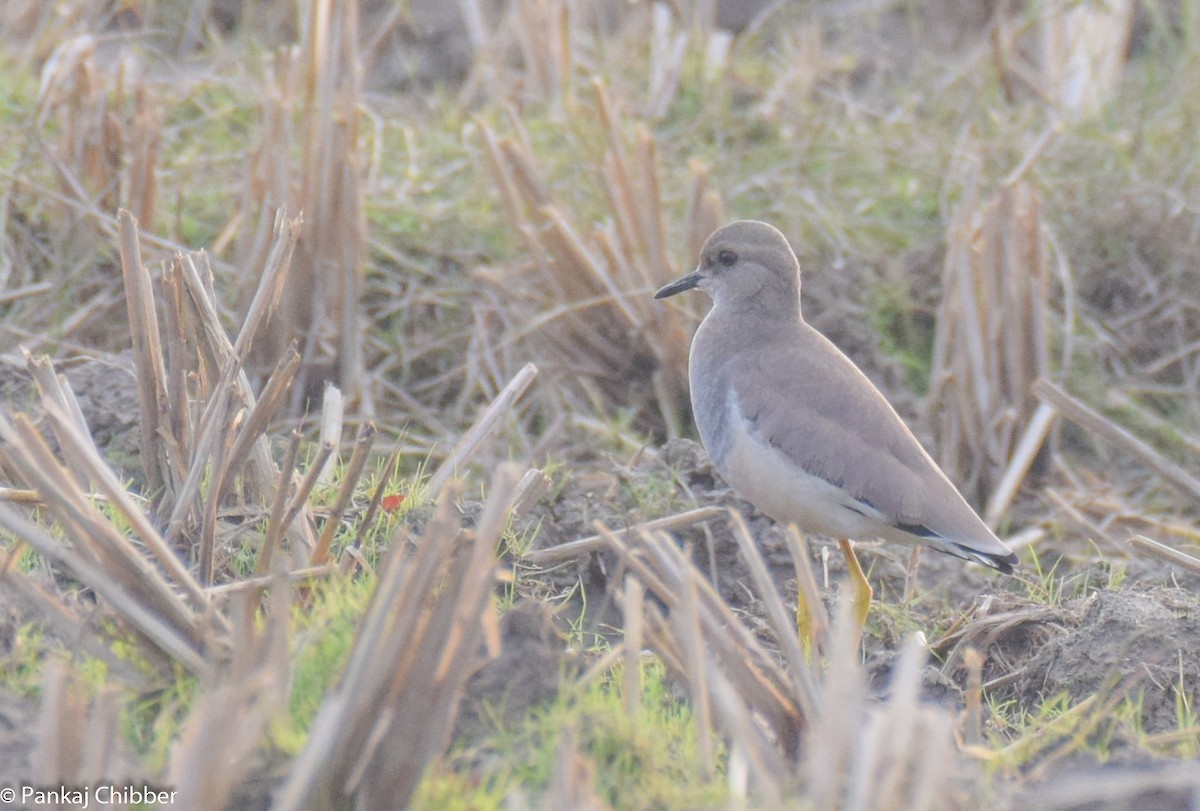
{"x": 286, "y": 288}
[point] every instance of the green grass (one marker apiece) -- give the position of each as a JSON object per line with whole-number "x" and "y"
{"x": 1058, "y": 727}
{"x": 152, "y": 721}
{"x": 1044, "y": 586}
{"x": 905, "y": 333}
{"x": 20, "y": 669}
{"x": 323, "y": 634}
{"x": 651, "y": 761}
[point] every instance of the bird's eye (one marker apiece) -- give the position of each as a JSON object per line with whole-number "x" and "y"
{"x": 727, "y": 258}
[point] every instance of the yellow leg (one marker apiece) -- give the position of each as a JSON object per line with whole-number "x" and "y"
{"x": 805, "y": 624}
{"x": 812, "y": 623}
{"x": 862, "y": 589}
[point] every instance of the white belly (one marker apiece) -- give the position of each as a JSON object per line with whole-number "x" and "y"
{"x": 784, "y": 491}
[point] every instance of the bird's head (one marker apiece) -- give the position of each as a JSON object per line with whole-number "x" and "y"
{"x": 747, "y": 264}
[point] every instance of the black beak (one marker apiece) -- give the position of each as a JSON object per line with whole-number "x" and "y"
{"x": 679, "y": 285}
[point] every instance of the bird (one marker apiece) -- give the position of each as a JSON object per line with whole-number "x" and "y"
{"x": 796, "y": 428}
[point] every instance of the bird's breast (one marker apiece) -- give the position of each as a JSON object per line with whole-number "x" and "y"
{"x": 783, "y": 489}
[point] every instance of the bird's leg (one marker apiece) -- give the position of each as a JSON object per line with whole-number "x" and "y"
{"x": 812, "y": 622}
{"x": 806, "y": 622}
{"x": 862, "y": 588}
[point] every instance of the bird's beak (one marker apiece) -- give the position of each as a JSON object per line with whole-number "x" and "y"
{"x": 679, "y": 285}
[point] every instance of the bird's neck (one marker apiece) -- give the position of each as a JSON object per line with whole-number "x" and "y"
{"x": 725, "y": 333}
{"x": 764, "y": 311}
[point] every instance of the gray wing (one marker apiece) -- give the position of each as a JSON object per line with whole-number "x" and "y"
{"x": 814, "y": 405}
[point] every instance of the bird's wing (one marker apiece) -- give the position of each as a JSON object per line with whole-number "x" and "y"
{"x": 808, "y": 400}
